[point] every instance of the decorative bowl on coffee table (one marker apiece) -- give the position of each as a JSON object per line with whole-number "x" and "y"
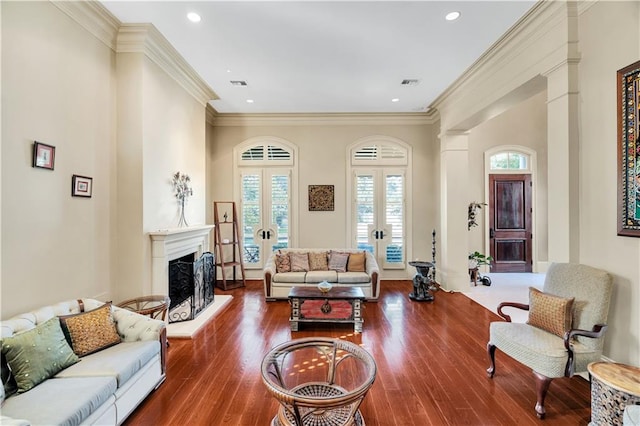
{"x": 324, "y": 286}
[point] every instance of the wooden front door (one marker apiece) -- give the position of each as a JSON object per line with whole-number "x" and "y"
{"x": 510, "y": 222}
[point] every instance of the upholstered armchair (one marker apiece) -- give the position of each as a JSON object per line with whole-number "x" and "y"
{"x": 565, "y": 330}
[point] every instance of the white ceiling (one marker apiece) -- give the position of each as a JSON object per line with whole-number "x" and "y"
{"x": 327, "y": 56}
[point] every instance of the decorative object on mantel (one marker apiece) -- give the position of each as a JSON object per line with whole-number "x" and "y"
{"x": 473, "y": 207}
{"x": 43, "y": 155}
{"x": 182, "y": 186}
{"x": 321, "y": 198}
{"x": 628, "y": 107}
{"x": 81, "y": 186}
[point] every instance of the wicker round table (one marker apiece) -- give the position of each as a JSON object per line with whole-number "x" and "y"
{"x": 318, "y": 381}
{"x": 153, "y": 306}
{"x": 613, "y": 387}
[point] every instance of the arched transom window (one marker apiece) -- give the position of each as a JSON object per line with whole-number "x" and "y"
{"x": 510, "y": 160}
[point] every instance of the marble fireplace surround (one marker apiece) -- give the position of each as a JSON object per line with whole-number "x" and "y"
{"x": 171, "y": 244}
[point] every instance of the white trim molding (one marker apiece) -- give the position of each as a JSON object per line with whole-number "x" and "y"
{"x": 93, "y": 17}
{"x": 326, "y": 119}
{"x": 146, "y": 39}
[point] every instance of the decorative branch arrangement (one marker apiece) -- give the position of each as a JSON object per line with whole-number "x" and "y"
{"x": 182, "y": 186}
{"x": 473, "y": 207}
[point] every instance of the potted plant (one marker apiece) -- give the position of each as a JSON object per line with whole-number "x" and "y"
{"x": 478, "y": 259}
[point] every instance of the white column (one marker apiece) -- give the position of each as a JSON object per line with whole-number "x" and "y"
{"x": 563, "y": 163}
{"x": 454, "y": 202}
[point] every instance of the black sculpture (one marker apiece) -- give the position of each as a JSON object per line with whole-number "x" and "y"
{"x": 422, "y": 284}
{"x": 424, "y": 281}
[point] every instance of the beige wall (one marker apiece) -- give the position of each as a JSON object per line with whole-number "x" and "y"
{"x": 323, "y": 160}
{"x": 118, "y": 118}
{"x": 523, "y": 125}
{"x": 58, "y": 88}
{"x": 609, "y": 40}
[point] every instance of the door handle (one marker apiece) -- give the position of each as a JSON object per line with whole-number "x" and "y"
{"x": 264, "y": 233}
{"x": 492, "y": 233}
{"x": 376, "y": 235}
{"x": 268, "y": 235}
{"x": 381, "y": 235}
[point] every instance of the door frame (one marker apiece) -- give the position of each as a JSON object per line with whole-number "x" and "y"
{"x": 531, "y": 170}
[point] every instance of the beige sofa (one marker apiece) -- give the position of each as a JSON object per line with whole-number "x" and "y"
{"x": 278, "y": 284}
{"x": 104, "y": 387}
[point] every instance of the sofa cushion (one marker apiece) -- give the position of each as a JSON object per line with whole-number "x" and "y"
{"x": 121, "y": 361}
{"x": 91, "y": 331}
{"x": 289, "y": 277}
{"x": 318, "y": 261}
{"x": 283, "y": 262}
{"x": 338, "y": 261}
{"x": 61, "y": 401}
{"x": 319, "y": 276}
{"x": 37, "y": 354}
{"x": 299, "y": 262}
{"x": 356, "y": 262}
{"x": 353, "y": 277}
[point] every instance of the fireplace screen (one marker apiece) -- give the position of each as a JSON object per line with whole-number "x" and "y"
{"x": 191, "y": 285}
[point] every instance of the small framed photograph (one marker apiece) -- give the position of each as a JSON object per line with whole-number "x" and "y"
{"x": 81, "y": 186}
{"x": 44, "y": 155}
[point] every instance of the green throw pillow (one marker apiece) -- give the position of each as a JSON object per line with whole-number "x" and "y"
{"x": 37, "y": 354}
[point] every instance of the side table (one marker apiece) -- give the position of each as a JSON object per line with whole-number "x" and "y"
{"x": 153, "y": 306}
{"x": 613, "y": 387}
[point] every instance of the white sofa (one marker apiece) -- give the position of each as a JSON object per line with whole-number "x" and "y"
{"x": 277, "y": 285}
{"x": 104, "y": 387}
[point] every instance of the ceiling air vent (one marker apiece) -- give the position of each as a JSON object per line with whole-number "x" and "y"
{"x": 239, "y": 83}
{"x": 410, "y": 82}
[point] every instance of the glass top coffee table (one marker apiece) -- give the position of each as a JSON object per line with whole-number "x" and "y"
{"x": 338, "y": 305}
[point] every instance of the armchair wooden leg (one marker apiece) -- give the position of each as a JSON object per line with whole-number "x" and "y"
{"x": 491, "y": 351}
{"x": 542, "y": 386}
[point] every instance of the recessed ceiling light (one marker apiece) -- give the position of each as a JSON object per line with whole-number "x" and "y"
{"x": 228, "y": 70}
{"x": 249, "y": 101}
{"x": 452, "y": 16}
{"x": 193, "y": 17}
{"x": 395, "y": 100}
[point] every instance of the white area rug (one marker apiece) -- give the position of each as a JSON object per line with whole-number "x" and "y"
{"x": 506, "y": 287}
{"x": 187, "y": 329}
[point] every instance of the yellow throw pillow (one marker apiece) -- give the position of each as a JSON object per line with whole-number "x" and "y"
{"x": 550, "y": 313}
{"x": 356, "y": 262}
{"x": 91, "y": 331}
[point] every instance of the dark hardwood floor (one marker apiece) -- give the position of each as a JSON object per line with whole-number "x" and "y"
{"x": 431, "y": 360}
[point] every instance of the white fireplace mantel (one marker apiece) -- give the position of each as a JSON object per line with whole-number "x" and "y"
{"x": 171, "y": 244}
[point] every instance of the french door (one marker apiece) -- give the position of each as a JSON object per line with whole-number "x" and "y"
{"x": 379, "y": 215}
{"x": 265, "y": 210}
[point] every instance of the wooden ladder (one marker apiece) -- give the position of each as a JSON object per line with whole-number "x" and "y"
{"x": 228, "y": 249}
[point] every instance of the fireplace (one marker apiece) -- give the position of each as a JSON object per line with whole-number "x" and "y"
{"x": 172, "y": 244}
{"x": 191, "y": 286}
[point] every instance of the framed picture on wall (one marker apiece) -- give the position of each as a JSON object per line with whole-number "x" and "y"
{"x": 81, "y": 186}
{"x": 628, "y": 108}
{"x": 321, "y": 198}
{"x": 44, "y": 155}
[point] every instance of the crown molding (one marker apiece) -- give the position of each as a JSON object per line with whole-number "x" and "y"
{"x": 324, "y": 119}
{"x": 211, "y": 114}
{"x": 146, "y": 39}
{"x": 93, "y": 17}
{"x": 541, "y": 19}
